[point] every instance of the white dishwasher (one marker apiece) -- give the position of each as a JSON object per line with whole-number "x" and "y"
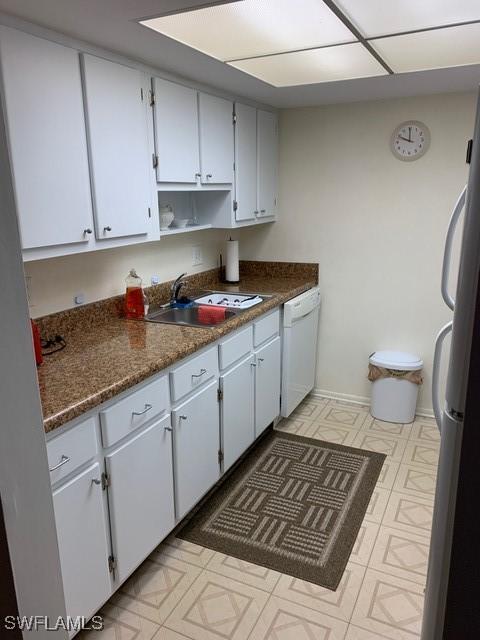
{"x": 299, "y": 358}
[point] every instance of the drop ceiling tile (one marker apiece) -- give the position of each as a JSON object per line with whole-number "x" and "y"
{"x": 450, "y": 47}
{"x": 377, "y": 17}
{"x": 342, "y": 62}
{"x": 254, "y": 27}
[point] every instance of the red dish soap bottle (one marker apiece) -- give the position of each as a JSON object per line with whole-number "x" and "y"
{"x": 134, "y": 296}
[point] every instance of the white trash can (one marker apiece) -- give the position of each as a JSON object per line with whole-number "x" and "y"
{"x": 394, "y": 396}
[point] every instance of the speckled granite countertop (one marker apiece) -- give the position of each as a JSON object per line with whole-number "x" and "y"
{"x": 107, "y": 354}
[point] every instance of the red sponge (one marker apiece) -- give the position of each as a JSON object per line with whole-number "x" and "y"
{"x": 211, "y": 315}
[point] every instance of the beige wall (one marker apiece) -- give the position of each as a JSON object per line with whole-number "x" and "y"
{"x": 53, "y": 283}
{"x": 376, "y": 226}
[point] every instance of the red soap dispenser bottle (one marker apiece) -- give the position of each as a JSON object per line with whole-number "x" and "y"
{"x": 134, "y": 296}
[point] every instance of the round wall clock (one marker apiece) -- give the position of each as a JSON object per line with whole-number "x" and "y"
{"x": 410, "y": 140}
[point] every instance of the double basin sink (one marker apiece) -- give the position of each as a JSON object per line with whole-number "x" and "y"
{"x": 225, "y": 306}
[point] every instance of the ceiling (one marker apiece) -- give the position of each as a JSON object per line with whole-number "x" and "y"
{"x": 358, "y": 66}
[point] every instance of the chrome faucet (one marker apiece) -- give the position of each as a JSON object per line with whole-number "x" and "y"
{"x": 175, "y": 288}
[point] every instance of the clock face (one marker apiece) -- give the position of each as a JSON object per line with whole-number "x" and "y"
{"x": 410, "y": 140}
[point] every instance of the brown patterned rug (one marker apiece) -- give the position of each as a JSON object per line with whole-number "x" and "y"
{"x": 293, "y": 504}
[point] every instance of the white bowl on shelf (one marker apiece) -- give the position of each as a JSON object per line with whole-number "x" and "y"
{"x": 181, "y": 223}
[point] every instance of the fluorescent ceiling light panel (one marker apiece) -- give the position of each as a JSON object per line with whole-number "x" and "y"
{"x": 254, "y": 27}
{"x": 384, "y": 17}
{"x": 450, "y": 47}
{"x": 317, "y": 65}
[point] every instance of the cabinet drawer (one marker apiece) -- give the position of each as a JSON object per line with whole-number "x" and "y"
{"x": 234, "y": 348}
{"x": 193, "y": 374}
{"x": 266, "y": 328}
{"x": 133, "y": 411}
{"x": 71, "y": 449}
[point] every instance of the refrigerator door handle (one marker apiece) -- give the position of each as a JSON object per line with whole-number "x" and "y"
{"x": 449, "y": 301}
{"x": 437, "y": 357}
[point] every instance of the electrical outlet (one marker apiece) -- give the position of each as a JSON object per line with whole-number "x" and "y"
{"x": 79, "y": 298}
{"x": 154, "y": 280}
{"x": 197, "y": 257}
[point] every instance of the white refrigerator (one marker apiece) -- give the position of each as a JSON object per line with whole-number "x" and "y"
{"x": 450, "y": 410}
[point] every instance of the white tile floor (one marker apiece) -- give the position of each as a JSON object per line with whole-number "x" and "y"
{"x": 184, "y": 591}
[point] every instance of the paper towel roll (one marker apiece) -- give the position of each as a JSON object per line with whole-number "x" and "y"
{"x": 232, "y": 273}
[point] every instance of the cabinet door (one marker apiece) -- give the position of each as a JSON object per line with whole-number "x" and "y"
{"x": 140, "y": 495}
{"x": 176, "y": 132}
{"x": 267, "y": 385}
{"x": 83, "y": 542}
{"x": 48, "y": 145}
{"x": 245, "y": 162}
{"x": 237, "y": 411}
{"x": 117, "y": 107}
{"x": 267, "y": 163}
{"x": 197, "y": 442}
{"x": 216, "y": 139}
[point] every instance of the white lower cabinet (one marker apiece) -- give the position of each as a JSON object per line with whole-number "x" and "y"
{"x": 83, "y": 542}
{"x": 267, "y": 384}
{"x": 150, "y": 474}
{"x": 140, "y": 495}
{"x": 237, "y": 410}
{"x": 196, "y": 446}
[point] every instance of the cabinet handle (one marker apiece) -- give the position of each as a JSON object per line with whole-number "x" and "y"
{"x": 107, "y": 229}
{"x": 168, "y": 428}
{"x": 182, "y": 417}
{"x": 256, "y": 212}
{"x": 252, "y": 364}
{"x": 87, "y": 231}
{"x": 198, "y": 175}
{"x": 96, "y": 481}
{"x": 261, "y": 359}
{"x": 199, "y": 375}
{"x": 141, "y": 413}
{"x": 263, "y": 210}
{"x": 209, "y": 175}
{"x": 63, "y": 460}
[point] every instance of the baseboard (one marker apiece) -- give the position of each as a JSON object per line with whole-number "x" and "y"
{"x": 348, "y": 397}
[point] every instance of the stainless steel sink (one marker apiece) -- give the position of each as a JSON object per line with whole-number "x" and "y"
{"x": 187, "y": 316}
{"x": 233, "y": 303}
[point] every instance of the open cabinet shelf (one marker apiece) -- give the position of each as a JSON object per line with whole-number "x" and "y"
{"x": 172, "y": 231}
{"x": 203, "y": 210}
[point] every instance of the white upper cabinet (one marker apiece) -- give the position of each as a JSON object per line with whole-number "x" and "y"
{"x": 256, "y": 164}
{"x": 48, "y": 147}
{"x": 245, "y": 162}
{"x": 176, "y": 132}
{"x": 117, "y": 109}
{"x": 267, "y": 161}
{"x": 193, "y": 136}
{"x": 216, "y": 139}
